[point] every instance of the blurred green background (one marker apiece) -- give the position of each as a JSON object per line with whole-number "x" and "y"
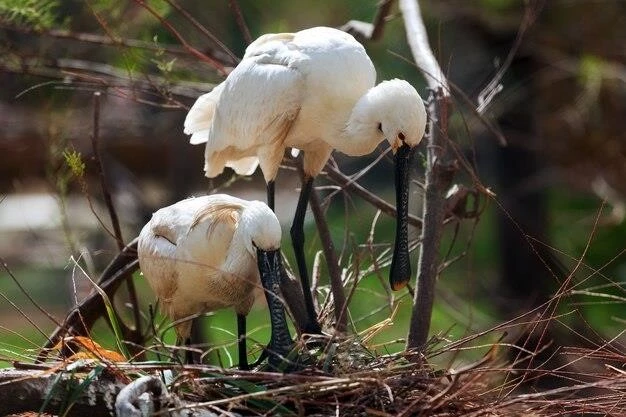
{"x": 559, "y": 184}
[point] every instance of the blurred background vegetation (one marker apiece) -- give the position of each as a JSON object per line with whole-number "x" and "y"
{"x": 559, "y": 184}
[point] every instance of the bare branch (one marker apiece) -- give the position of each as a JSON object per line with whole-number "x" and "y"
{"x": 439, "y": 175}
{"x": 328, "y": 247}
{"x": 106, "y": 193}
{"x": 26, "y": 293}
{"x": 418, "y": 41}
{"x": 82, "y": 318}
{"x": 241, "y": 22}
{"x": 204, "y": 31}
{"x": 202, "y": 57}
{"x": 494, "y": 87}
{"x": 100, "y": 40}
{"x": 371, "y": 31}
{"x": 95, "y": 143}
{"x": 342, "y": 180}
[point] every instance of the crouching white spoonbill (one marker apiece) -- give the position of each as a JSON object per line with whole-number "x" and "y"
{"x": 207, "y": 253}
{"x": 313, "y": 90}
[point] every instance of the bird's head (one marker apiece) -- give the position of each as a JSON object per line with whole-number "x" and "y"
{"x": 402, "y": 121}
{"x": 401, "y": 113}
{"x": 262, "y": 226}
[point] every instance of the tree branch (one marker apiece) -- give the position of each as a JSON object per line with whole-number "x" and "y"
{"x": 345, "y": 182}
{"x": 370, "y": 31}
{"x": 205, "y": 32}
{"x": 241, "y": 22}
{"x": 418, "y": 41}
{"x": 80, "y": 320}
{"x": 336, "y": 286}
{"x": 130, "y": 285}
{"x": 202, "y": 57}
{"x": 48, "y": 392}
{"x": 439, "y": 175}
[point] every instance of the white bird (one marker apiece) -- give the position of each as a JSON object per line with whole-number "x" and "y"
{"x": 313, "y": 90}
{"x": 208, "y": 253}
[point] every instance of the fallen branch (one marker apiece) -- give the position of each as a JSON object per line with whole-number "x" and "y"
{"x": 46, "y": 392}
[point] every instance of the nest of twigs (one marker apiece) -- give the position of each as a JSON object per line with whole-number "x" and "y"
{"x": 346, "y": 379}
{"x": 342, "y": 377}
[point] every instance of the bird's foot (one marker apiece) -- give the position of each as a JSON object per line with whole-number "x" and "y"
{"x": 287, "y": 361}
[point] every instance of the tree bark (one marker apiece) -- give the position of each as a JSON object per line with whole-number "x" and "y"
{"x": 47, "y": 392}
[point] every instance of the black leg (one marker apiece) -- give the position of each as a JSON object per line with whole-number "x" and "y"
{"x": 189, "y": 359}
{"x": 297, "y": 239}
{"x": 241, "y": 337}
{"x": 270, "y": 194}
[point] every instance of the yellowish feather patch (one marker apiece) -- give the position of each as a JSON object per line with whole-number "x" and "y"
{"x": 215, "y": 214}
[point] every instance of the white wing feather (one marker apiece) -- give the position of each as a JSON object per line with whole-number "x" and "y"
{"x": 256, "y": 105}
{"x": 200, "y": 117}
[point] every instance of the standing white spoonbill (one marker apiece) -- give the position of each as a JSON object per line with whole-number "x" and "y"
{"x": 207, "y": 253}
{"x": 313, "y": 90}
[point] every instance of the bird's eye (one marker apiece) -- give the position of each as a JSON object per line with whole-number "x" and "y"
{"x": 401, "y": 136}
{"x": 380, "y": 127}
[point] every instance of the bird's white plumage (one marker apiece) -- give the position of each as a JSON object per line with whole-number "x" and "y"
{"x": 199, "y": 119}
{"x": 313, "y": 90}
{"x": 199, "y": 254}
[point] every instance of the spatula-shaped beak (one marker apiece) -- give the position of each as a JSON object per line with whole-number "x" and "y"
{"x": 270, "y": 263}
{"x": 400, "y": 263}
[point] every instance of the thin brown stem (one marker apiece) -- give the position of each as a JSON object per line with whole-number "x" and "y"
{"x": 345, "y": 182}
{"x": 380, "y": 19}
{"x": 241, "y": 22}
{"x": 336, "y": 286}
{"x": 202, "y": 57}
{"x": 203, "y": 30}
{"x": 95, "y": 142}
{"x": 27, "y": 294}
{"x": 85, "y": 314}
{"x": 371, "y": 31}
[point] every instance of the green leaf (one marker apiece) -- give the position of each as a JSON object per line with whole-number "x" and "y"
{"x": 35, "y": 14}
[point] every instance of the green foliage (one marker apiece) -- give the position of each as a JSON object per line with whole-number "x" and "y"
{"x": 74, "y": 162}
{"x": 36, "y": 14}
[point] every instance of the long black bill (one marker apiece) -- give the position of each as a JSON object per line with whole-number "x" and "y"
{"x": 400, "y": 263}
{"x": 270, "y": 265}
